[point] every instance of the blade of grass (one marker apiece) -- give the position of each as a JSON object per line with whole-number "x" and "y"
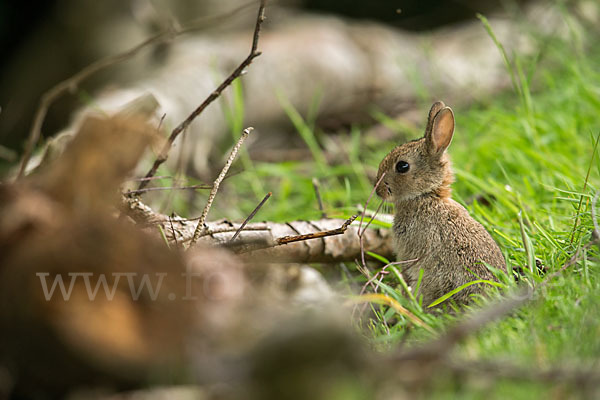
{"x": 585, "y": 183}
{"x": 462, "y": 287}
{"x": 379, "y": 298}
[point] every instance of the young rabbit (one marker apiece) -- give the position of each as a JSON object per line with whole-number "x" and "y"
{"x": 449, "y": 245}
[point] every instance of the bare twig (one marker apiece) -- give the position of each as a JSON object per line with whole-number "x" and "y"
{"x": 152, "y": 178}
{"x": 315, "y": 183}
{"x": 200, "y": 228}
{"x": 70, "y": 84}
{"x": 361, "y": 231}
{"x": 316, "y": 235}
{"x": 173, "y": 232}
{"x": 363, "y": 267}
{"x": 257, "y": 245}
{"x": 164, "y": 153}
{"x": 362, "y": 217}
{"x": 150, "y": 189}
{"x": 383, "y": 272}
{"x": 249, "y": 218}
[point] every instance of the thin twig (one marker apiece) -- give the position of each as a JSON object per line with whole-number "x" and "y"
{"x": 200, "y": 228}
{"x": 250, "y": 247}
{"x": 150, "y": 189}
{"x": 380, "y": 273}
{"x": 383, "y": 270}
{"x": 361, "y": 232}
{"x": 150, "y": 178}
{"x": 362, "y": 217}
{"x": 70, "y": 84}
{"x": 315, "y": 183}
{"x": 173, "y": 232}
{"x": 316, "y": 235}
{"x": 252, "y": 214}
{"x": 164, "y": 153}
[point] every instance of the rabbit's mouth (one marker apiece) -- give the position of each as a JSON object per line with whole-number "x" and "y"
{"x": 387, "y": 193}
{"x": 384, "y": 191}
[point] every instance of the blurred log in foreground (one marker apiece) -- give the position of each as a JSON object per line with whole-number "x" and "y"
{"x": 62, "y": 326}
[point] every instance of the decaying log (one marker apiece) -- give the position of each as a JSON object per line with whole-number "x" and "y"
{"x": 328, "y": 249}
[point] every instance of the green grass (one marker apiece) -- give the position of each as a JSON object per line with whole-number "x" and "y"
{"x": 530, "y": 152}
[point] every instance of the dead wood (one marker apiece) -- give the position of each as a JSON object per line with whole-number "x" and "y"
{"x": 59, "y": 224}
{"x": 328, "y": 249}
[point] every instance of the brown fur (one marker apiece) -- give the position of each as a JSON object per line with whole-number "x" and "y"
{"x": 429, "y": 226}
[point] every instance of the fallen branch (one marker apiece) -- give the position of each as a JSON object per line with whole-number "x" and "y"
{"x": 164, "y": 153}
{"x": 252, "y": 247}
{"x": 327, "y": 249}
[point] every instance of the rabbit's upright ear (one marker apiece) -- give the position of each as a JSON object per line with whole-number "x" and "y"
{"x": 442, "y": 129}
{"x": 435, "y": 108}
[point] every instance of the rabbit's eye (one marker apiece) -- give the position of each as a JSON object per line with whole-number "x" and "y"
{"x": 402, "y": 167}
